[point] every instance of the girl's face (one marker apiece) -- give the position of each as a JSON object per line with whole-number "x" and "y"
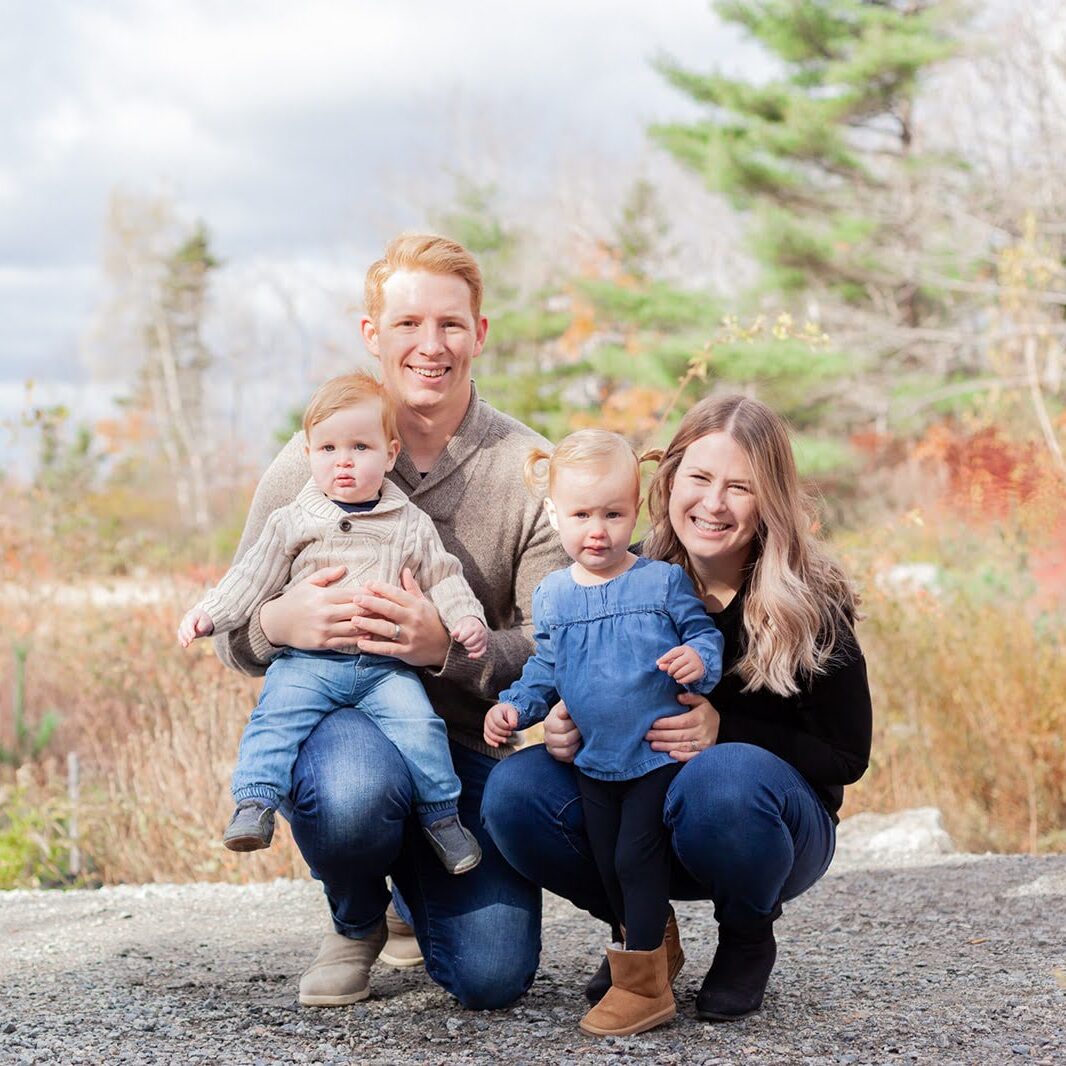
{"x": 594, "y": 510}
{"x": 713, "y": 507}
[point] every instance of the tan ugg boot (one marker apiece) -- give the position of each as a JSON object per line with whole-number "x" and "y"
{"x": 340, "y": 972}
{"x": 600, "y": 981}
{"x": 640, "y": 997}
{"x": 675, "y": 956}
{"x": 401, "y": 950}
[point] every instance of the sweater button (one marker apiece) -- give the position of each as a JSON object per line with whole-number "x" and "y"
{"x": 345, "y": 525}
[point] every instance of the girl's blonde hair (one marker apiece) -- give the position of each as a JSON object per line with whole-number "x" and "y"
{"x": 799, "y": 600}
{"x": 586, "y": 447}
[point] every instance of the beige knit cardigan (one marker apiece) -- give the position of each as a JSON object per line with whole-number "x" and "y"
{"x": 312, "y": 532}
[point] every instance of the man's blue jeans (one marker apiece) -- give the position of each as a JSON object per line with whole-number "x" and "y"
{"x": 351, "y": 814}
{"x": 301, "y": 688}
{"x": 747, "y": 830}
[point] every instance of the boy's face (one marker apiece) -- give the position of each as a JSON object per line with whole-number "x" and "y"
{"x": 349, "y": 453}
{"x": 594, "y": 510}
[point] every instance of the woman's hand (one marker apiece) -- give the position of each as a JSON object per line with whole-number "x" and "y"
{"x": 685, "y": 735}
{"x": 313, "y": 615}
{"x": 401, "y": 622}
{"x": 561, "y": 736}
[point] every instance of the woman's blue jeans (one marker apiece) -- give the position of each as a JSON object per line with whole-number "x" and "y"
{"x": 747, "y": 831}
{"x": 351, "y": 811}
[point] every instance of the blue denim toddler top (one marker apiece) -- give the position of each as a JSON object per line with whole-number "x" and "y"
{"x": 596, "y": 647}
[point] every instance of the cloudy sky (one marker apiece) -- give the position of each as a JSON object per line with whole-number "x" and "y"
{"x": 302, "y": 134}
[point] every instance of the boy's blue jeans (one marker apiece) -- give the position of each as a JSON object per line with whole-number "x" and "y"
{"x": 746, "y": 829}
{"x": 301, "y": 688}
{"x": 351, "y": 815}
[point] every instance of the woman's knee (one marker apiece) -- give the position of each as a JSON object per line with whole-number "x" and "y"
{"x": 721, "y": 787}
{"x": 526, "y": 795}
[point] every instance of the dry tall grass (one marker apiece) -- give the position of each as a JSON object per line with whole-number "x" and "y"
{"x": 156, "y": 730}
{"x": 969, "y": 683}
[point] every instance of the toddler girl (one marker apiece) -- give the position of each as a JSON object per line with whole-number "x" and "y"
{"x": 617, "y": 638}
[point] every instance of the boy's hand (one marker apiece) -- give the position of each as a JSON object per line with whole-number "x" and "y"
{"x": 194, "y": 624}
{"x": 500, "y": 722}
{"x": 682, "y": 663}
{"x": 472, "y": 634}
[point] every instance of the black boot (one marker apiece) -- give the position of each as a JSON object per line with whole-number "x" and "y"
{"x": 600, "y": 981}
{"x": 736, "y": 981}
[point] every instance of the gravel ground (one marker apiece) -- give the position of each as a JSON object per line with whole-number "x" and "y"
{"x": 963, "y": 961}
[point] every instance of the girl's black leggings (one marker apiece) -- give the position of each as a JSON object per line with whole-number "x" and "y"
{"x": 631, "y": 846}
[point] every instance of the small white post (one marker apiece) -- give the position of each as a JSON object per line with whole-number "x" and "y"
{"x": 72, "y": 795}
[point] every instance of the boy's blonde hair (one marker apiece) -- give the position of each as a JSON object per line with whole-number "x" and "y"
{"x": 586, "y": 447}
{"x": 422, "y": 251}
{"x": 350, "y": 390}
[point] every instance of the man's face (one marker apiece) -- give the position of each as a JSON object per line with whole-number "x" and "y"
{"x": 426, "y": 338}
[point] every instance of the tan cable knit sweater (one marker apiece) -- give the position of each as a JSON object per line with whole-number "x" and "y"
{"x": 312, "y": 532}
{"x": 486, "y": 518}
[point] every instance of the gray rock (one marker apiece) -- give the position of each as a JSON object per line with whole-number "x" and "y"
{"x": 906, "y": 838}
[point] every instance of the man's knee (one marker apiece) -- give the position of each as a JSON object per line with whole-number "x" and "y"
{"x": 349, "y": 781}
{"x": 484, "y": 983}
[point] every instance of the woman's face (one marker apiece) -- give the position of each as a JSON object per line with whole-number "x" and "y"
{"x": 712, "y": 505}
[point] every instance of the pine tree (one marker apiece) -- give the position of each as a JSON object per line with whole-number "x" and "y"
{"x": 825, "y": 155}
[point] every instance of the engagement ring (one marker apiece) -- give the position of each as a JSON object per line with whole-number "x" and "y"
{"x": 693, "y": 746}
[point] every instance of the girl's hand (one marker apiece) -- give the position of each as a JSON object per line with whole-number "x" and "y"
{"x": 500, "y": 722}
{"x": 472, "y": 634}
{"x": 561, "y": 736}
{"x": 685, "y": 735}
{"x": 194, "y": 624}
{"x": 682, "y": 663}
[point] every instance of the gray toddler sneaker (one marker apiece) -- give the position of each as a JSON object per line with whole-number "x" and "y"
{"x": 454, "y": 844}
{"x": 251, "y": 827}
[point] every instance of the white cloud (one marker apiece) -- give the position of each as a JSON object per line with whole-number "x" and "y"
{"x": 304, "y": 134}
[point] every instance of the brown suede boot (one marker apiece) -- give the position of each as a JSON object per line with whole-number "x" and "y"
{"x": 340, "y": 972}
{"x": 600, "y": 981}
{"x": 675, "y": 956}
{"x": 639, "y": 999}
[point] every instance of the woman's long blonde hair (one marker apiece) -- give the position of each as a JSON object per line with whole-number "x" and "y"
{"x": 799, "y": 601}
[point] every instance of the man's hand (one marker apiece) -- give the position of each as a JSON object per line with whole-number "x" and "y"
{"x": 470, "y": 631}
{"x": 682, "y": 663}
{"x": 194, "y": 624}
{"x": 685, "y": 735}
{"x": 561, "y": 736}
{"x": 314, "y": 615}
{"x": 500, "y": 722}
{"x": 401, "y": 622}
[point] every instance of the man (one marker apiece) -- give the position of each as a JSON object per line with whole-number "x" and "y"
{"x": 351, "y": 803}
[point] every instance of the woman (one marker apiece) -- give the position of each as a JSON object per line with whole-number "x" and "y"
{"x": 752, "y": 814}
